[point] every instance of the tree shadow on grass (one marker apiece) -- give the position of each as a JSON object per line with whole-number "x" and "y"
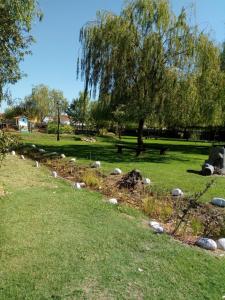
{"x": 108, "y": 153}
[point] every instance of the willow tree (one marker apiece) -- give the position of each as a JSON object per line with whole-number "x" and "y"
{"x": 128, "y": 56}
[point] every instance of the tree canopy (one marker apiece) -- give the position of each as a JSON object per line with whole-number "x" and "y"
{"x": 153, "y": 63}
{"x": 15, "y": 38}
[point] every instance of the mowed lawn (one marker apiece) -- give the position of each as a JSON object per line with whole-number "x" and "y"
{"x": 60, "y": 243}
{"x": 178, "y": 168}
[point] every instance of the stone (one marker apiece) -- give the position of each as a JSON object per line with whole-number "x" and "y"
{"x": 73, "y": 160}
{"x": 54, "y": 174}
{"x": 117, "y": 171}
{"x": 221, "y": 244}
{"x": 113, "y": 201}
{"x": 177, "y": 192}
{"x": 96, "y": 164}
{"x": 146, "y": 181}
{"x": 13, "y": 153}
{"x": 77, "y": 185}
{"x": 37, "y": 164}
{"x": 207, "y": 244}
{"x": 156, "y": 227}
{"x": 41, "y": 150}
{"x": 63, "y": 155}
{"x": 22, "y": 157}
{"x": 218, "y": 202}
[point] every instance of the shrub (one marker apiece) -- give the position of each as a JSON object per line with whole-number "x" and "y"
{"x": 91, "y": 178}
{"x": 157, "y": 208}
{"x": 8, "y": 142}
{"x": 53, "y": 127}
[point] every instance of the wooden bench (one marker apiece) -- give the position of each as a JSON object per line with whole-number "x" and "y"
{"x": 137, "y": 149}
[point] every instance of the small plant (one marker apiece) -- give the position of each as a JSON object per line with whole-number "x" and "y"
{"x": 202, "y": 218}
{"x": 157, "y": 208}
{"x": 91, "y": 178}
{"x": 196, "y": 225}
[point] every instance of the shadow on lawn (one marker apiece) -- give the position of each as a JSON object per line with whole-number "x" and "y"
{"x": 108, "y": 152}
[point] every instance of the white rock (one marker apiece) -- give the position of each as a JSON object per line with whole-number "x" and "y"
{"x": 96, "y": 164}
{"x": 13, "y": 153}
{"x": 22, "y": 157}
{"x": 63, "y": 155}
{"x": 77, "y": 185}
{"x": 206, "y": 243}
{"x": 218, "y": 202}
{"x": 221, "y": 244}
{"x": 73, "y": 160}
{"x": 156, "y": 227}
{"x": 117, "y": 171}
{"x": 113, "y": 201}
{"x": 177, "y": 192}
{"x": 33, "y": 146}
{"x": 37, "y": 164}
{"x": 54, "y": 174}
{"x": 146, "y": 181}
{"x": 41, "y": 150}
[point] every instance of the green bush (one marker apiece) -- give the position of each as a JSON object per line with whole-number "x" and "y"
{"x": 7, "y": 142}
{"x": 52, "y": 128}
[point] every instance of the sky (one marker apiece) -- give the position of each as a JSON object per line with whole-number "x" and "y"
{"x": 54, "y": 55}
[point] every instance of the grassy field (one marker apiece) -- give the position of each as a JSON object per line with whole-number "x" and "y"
{"x": 61, "y": 243}
{"x": 178, "y": 168}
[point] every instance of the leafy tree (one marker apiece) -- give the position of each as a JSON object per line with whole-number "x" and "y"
{"x": 222, "y": 57}
{"x": 39, "y": 102}
{"x": 58, "y": 104}
{"x": 15, "y": 38}
{"x": 128, "y": 56}
{"x": 78, "y": 110}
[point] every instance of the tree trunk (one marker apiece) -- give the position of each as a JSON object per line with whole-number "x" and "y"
{"x": 140, "y": 133}
{"x": 58, "y": 123}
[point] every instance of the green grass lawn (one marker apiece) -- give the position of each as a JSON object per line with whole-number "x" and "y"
{"x": 176, "y": 169}
{"x": 60, "y": 243}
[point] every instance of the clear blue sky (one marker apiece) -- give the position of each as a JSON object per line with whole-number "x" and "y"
{"x": 53, "y": 61}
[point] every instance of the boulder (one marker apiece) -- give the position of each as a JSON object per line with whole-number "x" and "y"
{"x": 207, "y": 244}
{"x": 117, "y": 171}
{"x": 221, "y": 244}
{"x": 54, "y": 174}
{"x": 146, "y": 181}
{"x": 218, "y": 202}
{"x": 177, "y": 192}
{"x": 63, "y": 155}
{"x": 96, "y": 164}
{"x": 113, "y": 201}
{"x": 13, "y": 153}
{"x": 156, "y": 227}
{"x": 207, "y": 169}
